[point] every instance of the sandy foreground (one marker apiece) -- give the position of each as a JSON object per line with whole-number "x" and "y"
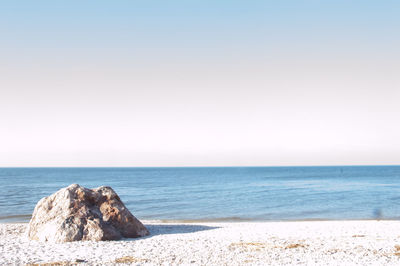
{"x": 253, "y": 243}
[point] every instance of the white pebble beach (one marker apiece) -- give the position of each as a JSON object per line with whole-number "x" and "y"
{"x": 367, "y": 242}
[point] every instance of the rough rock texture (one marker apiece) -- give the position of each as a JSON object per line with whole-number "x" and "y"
{"x": 77, "y": 213}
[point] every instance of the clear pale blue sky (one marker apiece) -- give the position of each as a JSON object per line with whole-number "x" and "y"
{"x": 142, "y": 83}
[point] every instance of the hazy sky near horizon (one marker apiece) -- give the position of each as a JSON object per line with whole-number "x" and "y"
{"x": 190, "y": 83}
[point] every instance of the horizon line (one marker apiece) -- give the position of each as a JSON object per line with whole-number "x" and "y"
{"x": 205, "y": 166}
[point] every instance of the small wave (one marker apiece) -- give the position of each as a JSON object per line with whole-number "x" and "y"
{"x": 22, "y": 218}
{"x": 203, "y": 220}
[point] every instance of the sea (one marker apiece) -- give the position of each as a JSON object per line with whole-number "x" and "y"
{"x": 218, "y": 193}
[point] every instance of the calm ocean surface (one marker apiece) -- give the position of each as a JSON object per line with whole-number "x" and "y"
{"x": 218, "y": 193}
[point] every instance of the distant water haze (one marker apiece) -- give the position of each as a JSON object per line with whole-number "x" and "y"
{"x": 199, "y": 83}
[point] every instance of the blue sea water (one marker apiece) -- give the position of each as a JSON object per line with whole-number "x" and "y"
{"x": 219, "y": 193}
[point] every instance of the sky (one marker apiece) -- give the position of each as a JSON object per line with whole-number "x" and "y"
{"x": 199, "y": 83}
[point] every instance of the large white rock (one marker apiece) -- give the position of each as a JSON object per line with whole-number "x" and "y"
{"x": 77, "y": 213}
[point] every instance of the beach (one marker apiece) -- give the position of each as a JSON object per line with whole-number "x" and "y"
{"x": 362, "y": 242}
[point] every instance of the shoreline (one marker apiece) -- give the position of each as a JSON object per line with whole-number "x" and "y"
{"x": 9, "y": 220}
{"x": 355, "y": 242}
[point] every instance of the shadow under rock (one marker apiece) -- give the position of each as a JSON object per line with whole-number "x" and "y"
{"x": 164, "y": 229}
{"x": 167, "y": 229}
